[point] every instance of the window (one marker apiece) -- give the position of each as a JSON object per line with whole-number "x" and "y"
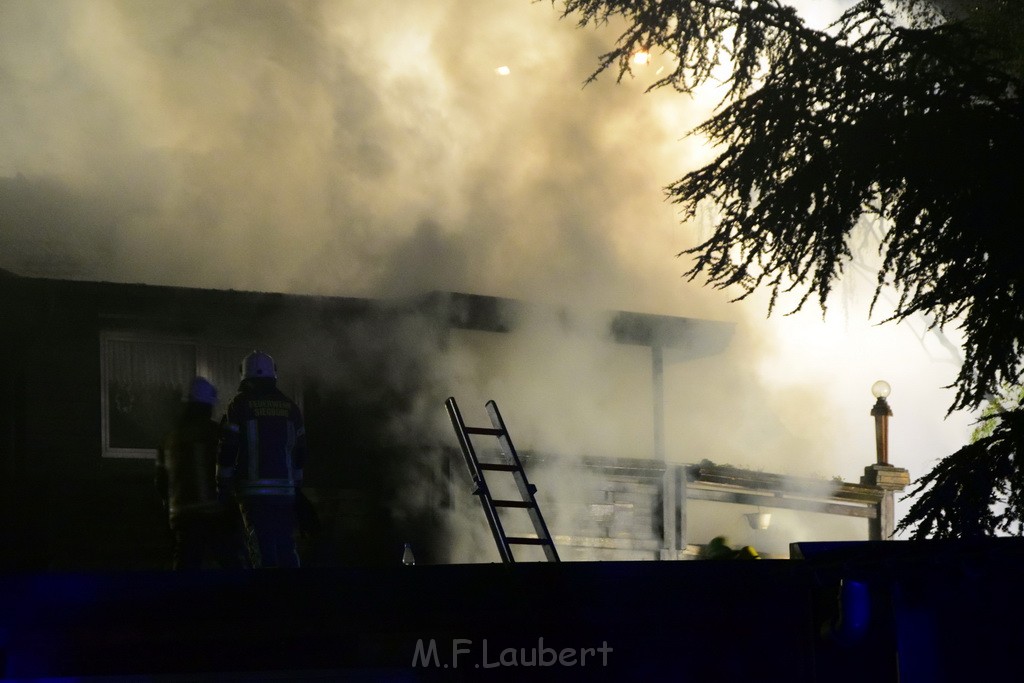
{"x": 144, "y": 379}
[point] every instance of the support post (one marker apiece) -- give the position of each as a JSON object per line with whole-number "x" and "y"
{"x": 883, "y": 475}
{"x": 674, "y": 512}
{"x": 891, "y": 480}
{"x": 658, "y": 387}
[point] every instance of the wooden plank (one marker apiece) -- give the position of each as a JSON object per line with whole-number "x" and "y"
{"x": 798, "y": 486}
{"x": 865, "y": 511}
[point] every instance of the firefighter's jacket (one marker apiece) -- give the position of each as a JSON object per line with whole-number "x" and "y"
{"x": 262, "y": 443}
{"x": 186, "y": 464}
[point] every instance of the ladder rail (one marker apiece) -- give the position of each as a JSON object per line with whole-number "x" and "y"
{"x": 527, "y": 490}
{"x": 473, "y": 463}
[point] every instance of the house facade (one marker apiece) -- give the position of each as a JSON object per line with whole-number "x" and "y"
{"x": 95, "y": 372}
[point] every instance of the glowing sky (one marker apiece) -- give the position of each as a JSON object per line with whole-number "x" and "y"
{"x": 377, "y": 148}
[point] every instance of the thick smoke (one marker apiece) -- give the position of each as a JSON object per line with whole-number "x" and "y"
{"x": 374, "y": 149}
{"x": 334, "y": 147}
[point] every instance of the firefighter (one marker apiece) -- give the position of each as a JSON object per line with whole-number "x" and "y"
{"x": 262, "y": 453}
{"x": 718, "y": 549}
{"x": 203, "y": 527}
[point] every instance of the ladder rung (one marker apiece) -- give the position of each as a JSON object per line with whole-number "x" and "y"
{"x": 486, "y": 431}
{"x": 525, "y": 540}
{"x": 496, "y": 467}
{"x": 512, "y": 503}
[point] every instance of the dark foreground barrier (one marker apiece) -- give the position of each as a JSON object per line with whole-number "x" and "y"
{"x": 586, "y": 621}
{"x": 848, "y": 612}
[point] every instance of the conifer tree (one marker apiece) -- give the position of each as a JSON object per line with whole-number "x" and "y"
{"x": 908, "y": 113}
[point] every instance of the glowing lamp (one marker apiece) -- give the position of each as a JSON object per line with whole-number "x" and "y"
{"x": 881, "y": 412}
{"x": 881, "y": 389}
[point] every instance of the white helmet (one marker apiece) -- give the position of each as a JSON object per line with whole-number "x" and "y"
{"x": 258, "y": 364}
{"x": 202, "y": 391}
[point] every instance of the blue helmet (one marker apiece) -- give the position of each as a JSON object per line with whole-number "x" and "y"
{"x": 202, "y": 391}
{"x": 258, "y": 364}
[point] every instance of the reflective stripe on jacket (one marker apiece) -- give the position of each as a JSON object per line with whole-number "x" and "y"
{"x": 263, "y": 442}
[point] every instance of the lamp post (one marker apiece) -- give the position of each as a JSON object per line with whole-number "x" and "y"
{"x": 881, "y": 412}
{"x": 883, "y": 476}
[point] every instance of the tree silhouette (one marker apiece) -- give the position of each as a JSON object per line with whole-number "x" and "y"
{"x": 909, "y": 113}
{"x": 977, "y": 491}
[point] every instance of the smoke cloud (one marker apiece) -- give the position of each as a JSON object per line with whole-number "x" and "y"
{"x": 333, "y": 147}
{"x": 389, "y": 149}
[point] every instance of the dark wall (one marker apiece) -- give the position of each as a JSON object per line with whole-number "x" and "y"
{"x": 65, "y": 506}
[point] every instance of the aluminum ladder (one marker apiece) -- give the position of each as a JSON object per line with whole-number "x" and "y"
{"x": 513, "y": 466}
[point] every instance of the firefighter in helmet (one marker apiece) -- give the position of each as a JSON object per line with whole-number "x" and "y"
{"x": 260, "y": 461}
{"x": 204, "y": 528}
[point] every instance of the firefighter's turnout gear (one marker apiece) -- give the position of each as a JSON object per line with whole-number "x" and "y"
{"x": 718, "y": 549}
{"x": 204, "y": 528}
{"x": 261, "y": 456}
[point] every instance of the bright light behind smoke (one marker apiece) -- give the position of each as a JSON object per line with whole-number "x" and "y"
{"x": 642, "y": 57}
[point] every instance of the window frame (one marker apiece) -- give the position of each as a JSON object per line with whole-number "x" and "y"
{"x": 202, "y": 354}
